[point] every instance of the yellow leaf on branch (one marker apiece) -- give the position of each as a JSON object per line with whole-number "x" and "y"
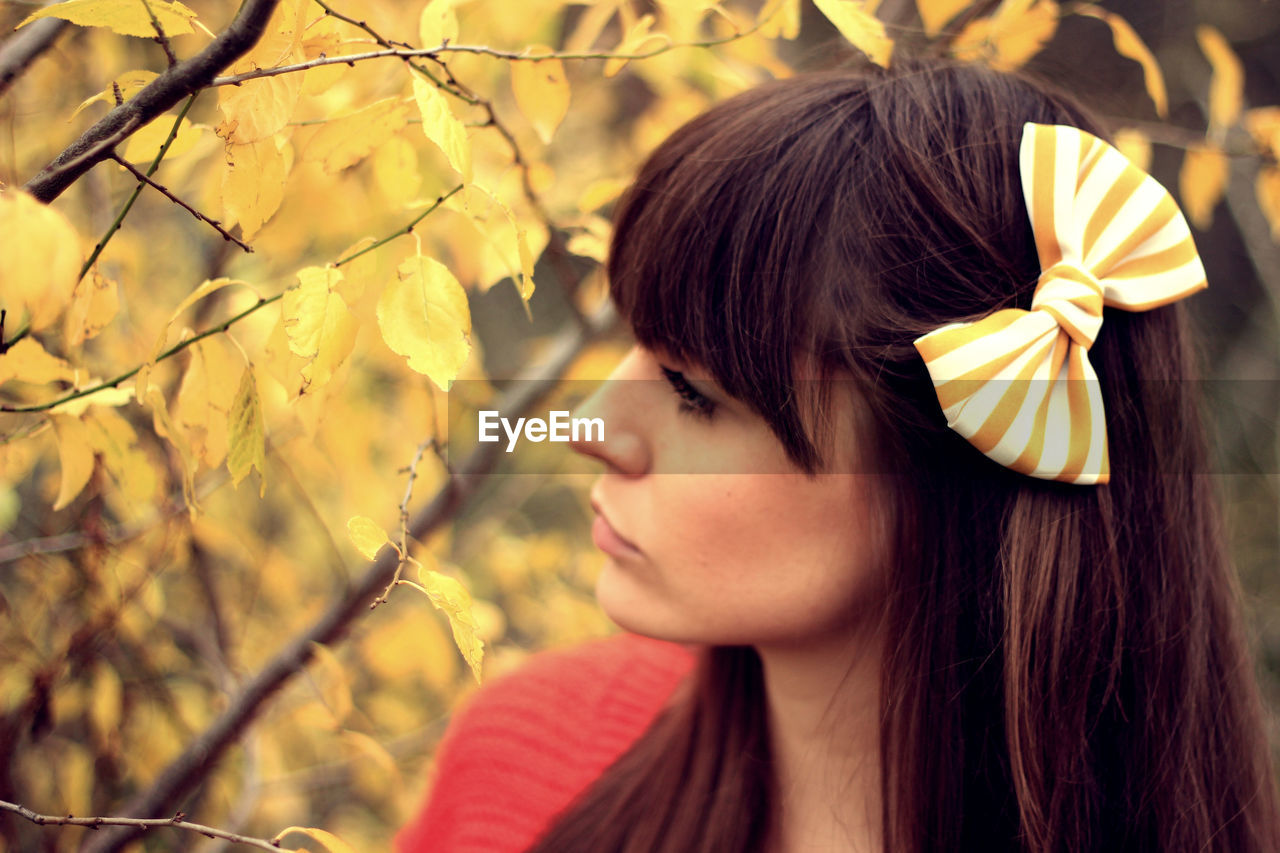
{"x": 27, "y": 361}
{"x": 1129, "y": 44}
{"x": 367, "y": 536}
{"x": 779, "y": 19}
{"x": 509, "y": 240}
{"x": 1226, "y": 86}
{"x": 94, "y": 303}
{"x": 637, "y": 40}
{"x": 246, "y": 437}
{"x": 125, "y": 17}
{"x": 328, "y": 840}
{"x": 320, "y": 327}
{"x": 205, "y": 398}
{"x": 452, "y": 597}
{"x": 936, "y": 14}
{"x": 38, "y": 281}
{"x": 252, "y": 184}
{"x": 1010, "y": 37}
{"x": 75, "y": 455}
{"x": 438, "y": 23}
{"x": 207, "y": 287}
{"x": 441, "y": 126}
{"x": 143, "y": 146}
{"x": 1201, "y": 183}
{"x": 860, "y": 28}
{"x": 127, "y": 84}
{"x": 423, "y": 316}
{"x": 542, "y": 92}
{"x": 259, "y": 108}
{"x": 116, "y": 444}
{"x": 345, "y": 141}
{"x": 168, "y": 430}
{"x": 395, "y": 170}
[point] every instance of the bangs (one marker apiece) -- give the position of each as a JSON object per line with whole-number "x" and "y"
{"x": 721, "y": 246}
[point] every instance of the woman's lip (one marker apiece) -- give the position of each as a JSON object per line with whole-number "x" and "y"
{"x": 609, "y": 540}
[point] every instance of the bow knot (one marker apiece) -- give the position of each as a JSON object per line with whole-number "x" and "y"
{"x": 1017, "y": 384}
{"x": 1073, "y": 297}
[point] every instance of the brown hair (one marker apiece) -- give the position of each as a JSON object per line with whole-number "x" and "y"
{"x": 1065, "y": 669}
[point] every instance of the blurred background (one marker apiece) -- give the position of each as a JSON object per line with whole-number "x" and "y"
{"x": 134, "y": 614}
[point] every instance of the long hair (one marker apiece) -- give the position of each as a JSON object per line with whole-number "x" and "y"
{"x": 1065, "y": 669}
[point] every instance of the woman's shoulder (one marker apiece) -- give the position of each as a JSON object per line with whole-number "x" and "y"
{"x": 521, "y": 747}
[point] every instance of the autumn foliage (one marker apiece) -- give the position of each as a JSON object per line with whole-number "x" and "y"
{"x": 229, "y": 325}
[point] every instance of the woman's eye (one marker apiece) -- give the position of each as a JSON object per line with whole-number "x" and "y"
{"x": 691, "y": 400}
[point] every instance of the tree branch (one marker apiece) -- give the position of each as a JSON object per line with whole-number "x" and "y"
{"x": 164, "y": 191}
{"x": 179, "y": 81}
{"x": 20, "y": 50}
{"x": 182, "y": 775}
{"x": 140, "y": 825}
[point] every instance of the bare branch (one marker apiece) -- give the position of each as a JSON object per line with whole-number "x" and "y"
{"x": 182, "y": 775}
{"x": 19, "y": 51}
{"x": 161, "y": 38}
{"x": 141, "y": 825}
{"x": 159, "y": 95}
{"x": 164, "y": 191}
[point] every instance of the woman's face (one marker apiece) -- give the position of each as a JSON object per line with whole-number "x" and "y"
{"x": 712, "y": 535}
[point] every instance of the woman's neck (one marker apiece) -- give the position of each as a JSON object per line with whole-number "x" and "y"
{"x": 824, "y": 727}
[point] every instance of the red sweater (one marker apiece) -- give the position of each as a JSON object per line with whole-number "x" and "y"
{"x": 521, "y": 748}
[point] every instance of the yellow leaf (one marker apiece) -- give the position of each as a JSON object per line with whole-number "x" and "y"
{"x": 1226, "y": 87}
{"x": 94, "y": 303}
{"x": 779, "y": 19}
{"x": 1268, "y": 189}
{"x": 332, "y": 682}
{"x": 441, "y": 126}
{"x": 166, "y": 429}
{"x": 542, "y": 92}
{"x": 205, "y": 398}
{"x": 105, "y": 701}
{"x": 322, "y": 38}
{"x": 637, "y": 39}
{"x": 75, "y": 454}
{"x": 367, "y": 536}
{"x": 1009, "y": 38}
{"x": 1263, "y": 125}
{"x": 125, "y": 17}
{"x": 143, "y": 146}
{"x": 1135, "y": 145}
{"x": 328, "y": 840}
{"x": 451, "y": 597}
{"x": 509, "y": 241}
{"x": 128, "y": 83}
{"x": 27, "y": 361}
{"x": 252, "y": 185}
{"x": 345, "y": 141}
{"x": 318, "y": 323}
{"x": 863, "y": 30}
{"x": 258, "y": 108}
{"x": 246, "y": 441}
{"x": 39, "y": 280}
{"x": 423, "y": 316}
{"x": 593, "y": 240}
{"x": 116, "y": 444}
{"x": 600, "y": 192}
{"x": 438, "y": 23}
{"x": 1128, "y": 43}
{"x": 1202, "y": 182}
{"x": 207, "y": 287}
{"x": 936, "y": 14}
{"x": 395, "y": 169}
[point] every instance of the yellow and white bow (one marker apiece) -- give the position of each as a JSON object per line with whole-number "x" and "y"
{"x": 1018, "y": 384}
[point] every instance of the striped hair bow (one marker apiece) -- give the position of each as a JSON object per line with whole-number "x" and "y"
{"x": 1018, "y": 384}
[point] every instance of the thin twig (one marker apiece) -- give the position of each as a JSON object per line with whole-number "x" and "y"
{"x": 385, "y": 42}
{"x": 407, "y": 229}
{"x": 175, "y": 822}
{"x": 137, "y": 190}
{"x": 164, "y": 191}
{"x": 435, "y": 52}
{"x": 404, "y": 520}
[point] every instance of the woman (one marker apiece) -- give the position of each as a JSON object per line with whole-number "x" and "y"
{"x": 946, "y": 588}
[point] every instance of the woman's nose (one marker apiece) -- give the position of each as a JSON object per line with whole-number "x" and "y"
{"x": 620, "y": 444}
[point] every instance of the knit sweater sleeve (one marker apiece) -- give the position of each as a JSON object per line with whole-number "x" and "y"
{"x": 523, "y": 746}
